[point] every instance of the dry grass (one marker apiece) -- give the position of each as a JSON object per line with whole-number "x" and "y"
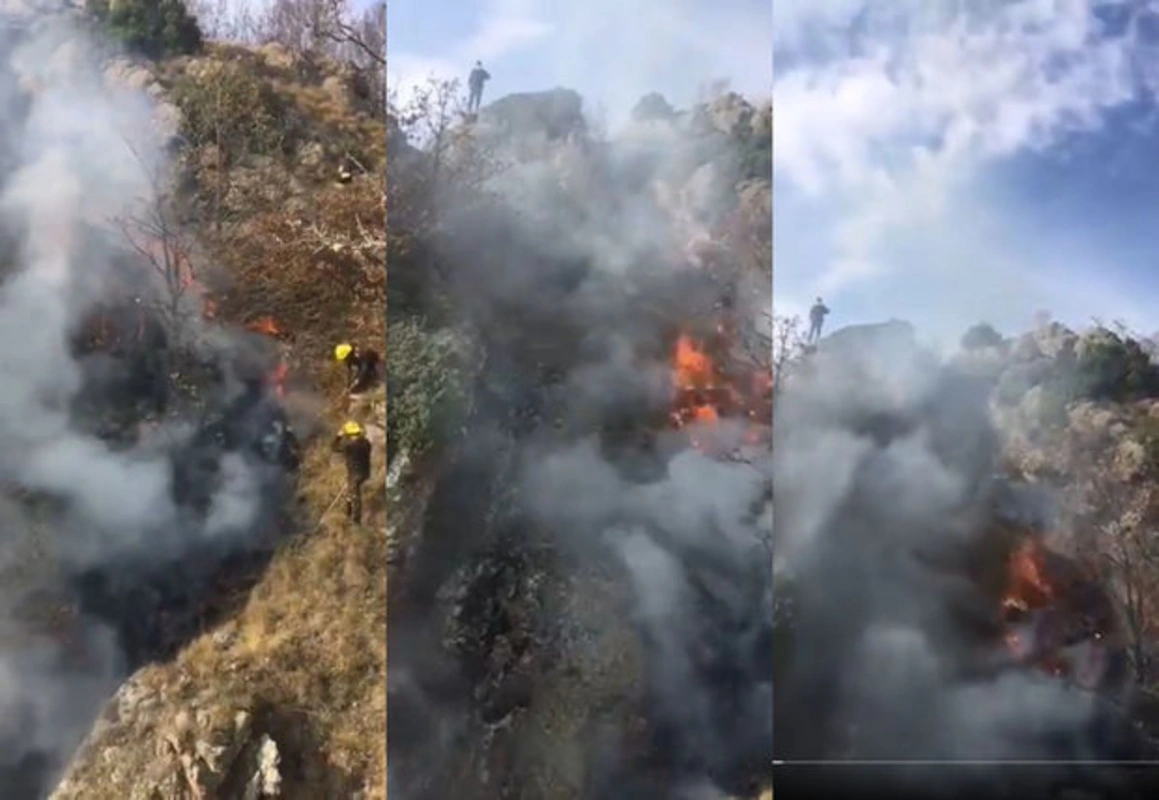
{"x": 308, "y": 646}
{"x": 310, "y": 642}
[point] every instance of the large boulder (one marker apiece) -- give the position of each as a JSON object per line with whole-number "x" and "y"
{"x": 204, "y": 746}
{"x": 554, "y": 114}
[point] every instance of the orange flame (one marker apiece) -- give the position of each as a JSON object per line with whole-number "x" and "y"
{"x": 277, "y": 378}
{"x": 1041, "y": 581}
{"x": 705, "y": 413}
{"x": 266, "y": 325}
{"x": 1028, "y": 586}
{"x": 694, "y": 369}
{"x": 703, "y": 393}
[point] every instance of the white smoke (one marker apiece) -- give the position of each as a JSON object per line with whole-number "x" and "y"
{"x": 80, "y": 150}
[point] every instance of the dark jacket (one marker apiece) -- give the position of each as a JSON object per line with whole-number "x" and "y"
{"x": 818, "y": 312}
{"x": 478, "y": 77}
{"x": 362, "y": 368}
{"x": 356, "y": 452}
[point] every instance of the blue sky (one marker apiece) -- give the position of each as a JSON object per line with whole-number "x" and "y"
{"x": 948, "y": 169}
{"x": 611, "y": 51}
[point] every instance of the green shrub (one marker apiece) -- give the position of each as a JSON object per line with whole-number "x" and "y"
{"x": 426, "y": 387}
{"x": 230, "y": 107}
{"x": 1116, "y": 368}
{"x": 153, "y": 28}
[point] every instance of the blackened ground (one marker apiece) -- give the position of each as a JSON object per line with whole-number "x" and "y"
{"x": 157, "y": 608}
{"x": 480, "y": 564}
{"x": 157, "y": 603}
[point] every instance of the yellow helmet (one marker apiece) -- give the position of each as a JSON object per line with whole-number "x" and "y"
{"x": 342, "y": 351}
{"x": 351, "y": 428}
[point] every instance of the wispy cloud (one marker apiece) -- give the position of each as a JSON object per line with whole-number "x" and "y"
{"x": 887, "y": 113}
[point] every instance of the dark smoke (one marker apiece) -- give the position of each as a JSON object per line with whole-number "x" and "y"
{"x": 885, "y": 480}
{"x": 572, "y": 282}
{"x": 139, "y": 471}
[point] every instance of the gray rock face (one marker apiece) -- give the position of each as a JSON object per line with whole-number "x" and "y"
{"x": 209, "y": 749}
{"x": 555, "y": 114}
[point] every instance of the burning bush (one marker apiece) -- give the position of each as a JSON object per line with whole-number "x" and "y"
{"x": 1060, "y": 620}
{"x": 925, "y": 625}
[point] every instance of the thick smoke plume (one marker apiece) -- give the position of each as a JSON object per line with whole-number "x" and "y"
{"x": 887, "y": 502}
{"x": 105, "y": 524}
{"x": 573, "y": 280}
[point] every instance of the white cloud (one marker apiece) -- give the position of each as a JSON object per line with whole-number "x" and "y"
{"x": 500, "y": 35}
{"x": 888, "y": 127}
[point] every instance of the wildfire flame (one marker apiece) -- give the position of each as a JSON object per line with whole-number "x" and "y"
{"x": 266, "y": 325}
{"x": 694, "y": 369}
{"x": 704, "y": 394}
{"x": 191, "y": 285}
{"x": 277, "y": 379}
{"x": 1045, "y": 593}
{"x": 1028, "y": 587}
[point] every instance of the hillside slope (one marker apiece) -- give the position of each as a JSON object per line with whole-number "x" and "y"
{"x": 288, "y": 680}
{"x": 578, "y": 607}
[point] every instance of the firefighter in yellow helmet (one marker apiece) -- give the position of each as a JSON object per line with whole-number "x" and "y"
{"x": 352, "y": 444}
{"x": 361, "y": 366}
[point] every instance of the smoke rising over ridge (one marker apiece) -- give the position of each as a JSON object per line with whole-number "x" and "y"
{"x": 889, "y": 518}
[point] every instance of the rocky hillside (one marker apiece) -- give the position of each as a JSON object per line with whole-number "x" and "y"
{"x": 574, "y": 611}
{"x": 251, "y": 665}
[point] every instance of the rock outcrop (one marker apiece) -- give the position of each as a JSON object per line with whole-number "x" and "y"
{"x": 140, "y": 749}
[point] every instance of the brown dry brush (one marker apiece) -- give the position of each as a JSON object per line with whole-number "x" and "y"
{"x": 313, "y": 271}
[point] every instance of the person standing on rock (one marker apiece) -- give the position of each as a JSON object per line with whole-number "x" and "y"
{"x": 352, "y": 444}
{"x": 816, "y": 320}
{"x": 478, "y": 77}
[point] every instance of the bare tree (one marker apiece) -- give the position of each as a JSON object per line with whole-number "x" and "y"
{"x": 363, "y": 38}
{"x": 363, "y": 44}
{"x": 788, "y": 346}
{"x": 226, "y": 20}
{"x": 330, "y": 27}
{"x": 1124, "y": 548}
{"x": 445, "y": 156}
{"x": 154, "y": 233}
{"x": 297, "y": 25}
{"x": 1111, "y": 504}
{"x": 365, "y": 243}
